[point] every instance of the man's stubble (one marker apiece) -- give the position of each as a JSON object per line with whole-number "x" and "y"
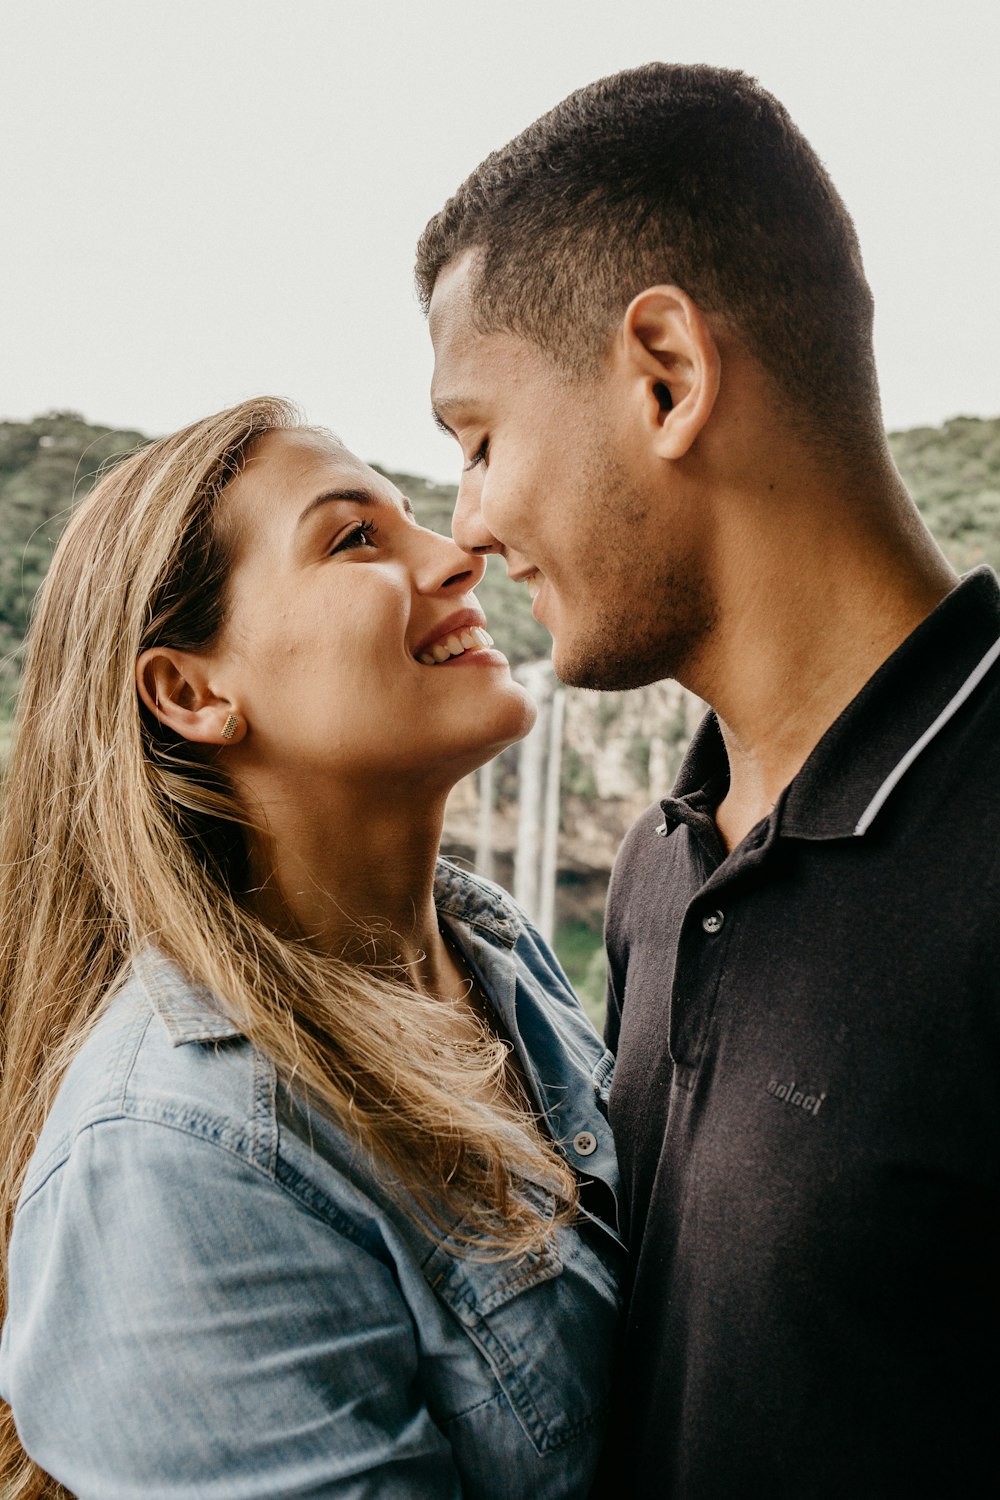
{"x": 650, "y": 607}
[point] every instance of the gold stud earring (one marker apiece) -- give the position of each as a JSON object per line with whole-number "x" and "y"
{"x": 230, "y": 727}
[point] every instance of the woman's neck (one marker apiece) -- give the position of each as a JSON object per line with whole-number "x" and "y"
{"x": 353, "y": 872}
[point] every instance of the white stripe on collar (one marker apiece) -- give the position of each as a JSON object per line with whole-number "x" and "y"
{"x": 895, "y": 776}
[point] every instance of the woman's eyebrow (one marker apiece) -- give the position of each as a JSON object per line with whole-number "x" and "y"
{"x": 352, "y": 496}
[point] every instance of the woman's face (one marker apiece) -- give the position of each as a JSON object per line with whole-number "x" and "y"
{"x": 340, "y": 605}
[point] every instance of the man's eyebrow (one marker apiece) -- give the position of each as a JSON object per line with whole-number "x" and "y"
{"x": 352, "y": 496}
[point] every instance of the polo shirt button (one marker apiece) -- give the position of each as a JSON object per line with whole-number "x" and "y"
{"x": 585, "y": 1144}
{"x": 713, "y": 922}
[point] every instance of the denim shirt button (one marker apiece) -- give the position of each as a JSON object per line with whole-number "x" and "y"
{"x": 585, "y": 1144}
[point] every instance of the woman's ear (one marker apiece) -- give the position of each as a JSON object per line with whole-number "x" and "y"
{"x": 668, "y": 343}
{"x": 173, "y": 686}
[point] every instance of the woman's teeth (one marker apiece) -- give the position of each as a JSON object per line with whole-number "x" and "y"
{"x": 453, "y": 645}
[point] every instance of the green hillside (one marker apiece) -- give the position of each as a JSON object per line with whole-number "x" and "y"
{"x": 952, "y": 471}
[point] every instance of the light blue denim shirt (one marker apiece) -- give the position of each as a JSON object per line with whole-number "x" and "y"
{"x": 213, "y": 1298}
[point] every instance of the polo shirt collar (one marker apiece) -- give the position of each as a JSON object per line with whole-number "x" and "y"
{"x": 866, "y": 752}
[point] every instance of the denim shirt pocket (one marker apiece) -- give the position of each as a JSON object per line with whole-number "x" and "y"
{"x": 601, "y": 1077}
{"x": 545, "y": 1325}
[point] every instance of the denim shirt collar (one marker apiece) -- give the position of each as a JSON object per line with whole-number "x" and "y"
{"x": 476, "y": 902}
{"x": 191, "y": 1014}
{"x": 566, "y": 1066}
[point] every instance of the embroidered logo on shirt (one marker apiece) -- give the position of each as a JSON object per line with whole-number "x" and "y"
{"x": 791, "y": 1093}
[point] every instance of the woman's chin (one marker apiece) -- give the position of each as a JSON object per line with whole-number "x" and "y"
{"x": 484, "y": 736}
{"x": 515, "y": 723}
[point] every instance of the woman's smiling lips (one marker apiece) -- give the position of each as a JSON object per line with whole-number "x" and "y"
{"x": 460, "y": 637}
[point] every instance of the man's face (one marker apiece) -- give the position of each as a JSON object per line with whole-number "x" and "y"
{"x": 559, "y": 477}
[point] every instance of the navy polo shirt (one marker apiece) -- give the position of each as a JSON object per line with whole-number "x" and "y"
{"x": 807, "y": 1102}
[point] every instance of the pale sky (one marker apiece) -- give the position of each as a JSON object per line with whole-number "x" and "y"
{"x": 205, "y": 200}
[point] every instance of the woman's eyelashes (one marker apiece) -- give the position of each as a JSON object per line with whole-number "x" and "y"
{"x": 481, "y": 455}
{"x": 359, "y": 536}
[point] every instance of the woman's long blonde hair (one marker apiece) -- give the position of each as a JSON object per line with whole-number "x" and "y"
{"x": 115, "y": 835}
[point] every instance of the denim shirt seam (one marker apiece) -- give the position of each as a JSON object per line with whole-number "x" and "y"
{"x": 120, "y": 1065}
{"x": 205, "y": 1129}
{"x": 264, "y": 1123}
{"x": 521, "y": 1393}
{"x": 199, "y": 1127}
{"x": 322, "y": 1207}
{"x": 126, "y": 1062}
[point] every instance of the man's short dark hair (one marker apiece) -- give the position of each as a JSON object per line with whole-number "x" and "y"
{"x": 689, "y": 175}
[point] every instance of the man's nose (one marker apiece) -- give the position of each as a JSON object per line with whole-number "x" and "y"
{"x": 467, "y": 525}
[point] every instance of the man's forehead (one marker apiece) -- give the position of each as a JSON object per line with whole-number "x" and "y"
{"x": 461, "y": 351}
{"x": 449, "y": 314}
{"x": 474, "y": 367}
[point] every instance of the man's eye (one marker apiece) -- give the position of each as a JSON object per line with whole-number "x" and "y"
{"x": 481, "y": 456}
{"x": 359, "y": 536}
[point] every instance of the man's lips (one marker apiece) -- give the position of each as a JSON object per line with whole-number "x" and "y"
{"x": 531, "y": 578}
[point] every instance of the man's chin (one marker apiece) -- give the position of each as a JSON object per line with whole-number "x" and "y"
{"x": 604, "y": 671}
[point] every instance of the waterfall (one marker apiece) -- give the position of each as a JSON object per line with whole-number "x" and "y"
{"x": 536, "y": 676}
{"x": 550, "y": 830}
{"x": 536, "y": 857}
{"x": 484, "y": 827}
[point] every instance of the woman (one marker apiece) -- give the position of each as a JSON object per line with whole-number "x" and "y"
{"x": 315, "y": 1191}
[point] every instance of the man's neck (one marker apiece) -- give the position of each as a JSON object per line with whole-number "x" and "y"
{"x": 810, "y": 607}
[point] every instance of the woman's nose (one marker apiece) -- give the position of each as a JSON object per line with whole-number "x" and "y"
{"x": 446, "y": 565}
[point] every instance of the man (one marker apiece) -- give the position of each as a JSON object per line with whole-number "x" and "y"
{"x": 652, "y": 337}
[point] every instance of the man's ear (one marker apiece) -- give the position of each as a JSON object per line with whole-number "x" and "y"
{"x": 667, "y": 342}
{"x": 174, "y": 686}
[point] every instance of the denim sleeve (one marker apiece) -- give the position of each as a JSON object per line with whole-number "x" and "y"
{"x": 187, "y": 1329}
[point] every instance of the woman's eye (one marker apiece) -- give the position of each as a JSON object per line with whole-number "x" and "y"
{"x": 481, "y": 456}
{"x": 359, "y": 536}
